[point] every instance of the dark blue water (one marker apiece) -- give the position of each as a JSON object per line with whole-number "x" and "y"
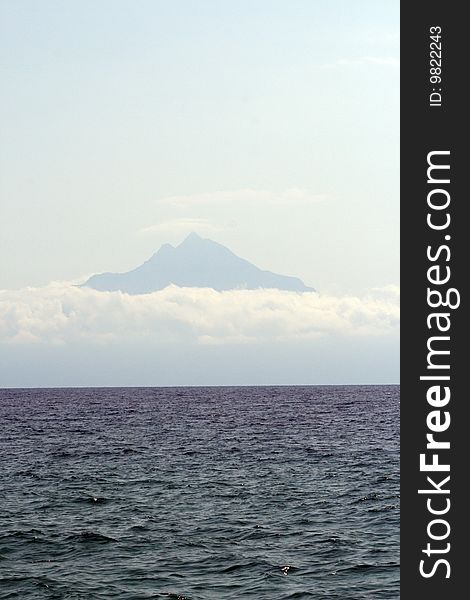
{"x": 200, "y": 493}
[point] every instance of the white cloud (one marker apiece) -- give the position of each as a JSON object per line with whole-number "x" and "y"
{"x": 384, "y": 61}
{"x": 286, "y": 197}
{"x": 181, "y": 226}
{"x": 61, "y": 313}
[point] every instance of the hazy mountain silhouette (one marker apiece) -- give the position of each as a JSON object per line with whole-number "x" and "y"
{"x": 196, "y": 262}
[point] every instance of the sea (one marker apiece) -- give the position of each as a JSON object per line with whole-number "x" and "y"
{"x": 216, "y": 493}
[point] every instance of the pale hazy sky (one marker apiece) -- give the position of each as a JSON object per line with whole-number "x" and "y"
{"x": 110, "y": 107}
{"x": 270, "y": 126}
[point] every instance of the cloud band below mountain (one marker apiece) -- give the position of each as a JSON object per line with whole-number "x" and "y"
{"x": 61, "y": 312}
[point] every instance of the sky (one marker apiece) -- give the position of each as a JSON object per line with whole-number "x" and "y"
{"x": 271, "y": 127}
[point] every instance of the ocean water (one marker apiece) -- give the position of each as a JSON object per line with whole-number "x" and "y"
{"x": 200, "y": 493}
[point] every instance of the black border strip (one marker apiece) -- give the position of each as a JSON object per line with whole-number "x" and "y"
{"x": 430, "y": 127}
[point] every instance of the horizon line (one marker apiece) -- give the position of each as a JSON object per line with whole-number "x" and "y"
{"x": 246, "y": 385}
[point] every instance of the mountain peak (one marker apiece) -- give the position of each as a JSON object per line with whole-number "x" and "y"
{"x": 195, "y": 262}
{"x": 192, "y": 238}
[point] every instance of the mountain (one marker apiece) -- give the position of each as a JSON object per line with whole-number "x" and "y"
{"x": 196, "y": 262}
